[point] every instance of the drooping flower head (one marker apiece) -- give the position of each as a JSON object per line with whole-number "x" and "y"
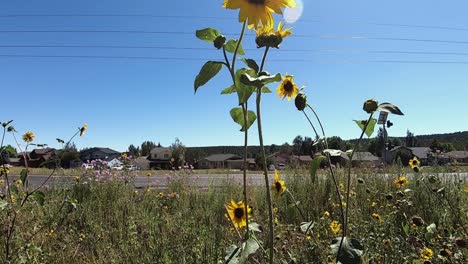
{"x": 401, "y": 181}
{"x": 28, "y": 137}
{"x": 83, "y": 129}
{"x": 279, "y": 185}
{"x": 258, "y": 12}
{"x": 287, "y": 88}
{"x": 268, "y": 37}
{"x": 237, "y": 213}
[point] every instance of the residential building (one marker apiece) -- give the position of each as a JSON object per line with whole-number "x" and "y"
{"x": 160, "y": 158}
{"x": 217, "y": 161}
{"x": 105, "y": 154}
{"x": 366, "y": 159}
{"x": 44, "y": 157}
{"x": 458, "y": 156}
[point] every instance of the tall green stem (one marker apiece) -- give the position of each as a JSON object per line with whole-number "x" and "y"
{"x": 265, "y": 169}
{"x": 237, "y": 47}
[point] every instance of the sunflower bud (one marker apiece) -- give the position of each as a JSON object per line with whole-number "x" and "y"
{"x": 268, "y": 40}
{"x": 417, "y": 221}
{"x": 219, "y": 41}
{"x": 370, "y": 106}
{"x": 300, "y": 101}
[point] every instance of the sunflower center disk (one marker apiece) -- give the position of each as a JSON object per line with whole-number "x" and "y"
{"x": 278, "y": 186}
{"x": 288, "y": 87}
{"x": 238, "y": 213}
{"x": 257, "y": 2}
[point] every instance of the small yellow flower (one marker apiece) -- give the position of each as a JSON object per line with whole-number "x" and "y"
{"x": 13, "y": 199}
{"x": 415, "y": 164}
{"x": 76, "y": 179}
{"x": 82, "y": 236}
{"x": 278, "y": 186}
{"x": 275, "y": 210}
{"x": 148, "y": 190}
{"x": 465, "y": 188}
{"x": 335, "y": 227}
{"x": 326, "y": 213}
{"x": 83, "y": 129}
{"x": 258, "y": 12}
{"x": 28, "y": 137}
{"x": 124, "y": 156}
{"x": 287, "y": 88}
{"x": 426, "y": 254}
{"x": 309, "y": 238}
{"x": 377, "y": 217}
{"x": 19, "y": 182}
{"x": 341, "y": 185}
{"x": 51, "y": 232}
{"x": 148, "y": 174}
{"x": 2, "y": 182}
{"x": 161, "y": 195}
{"x": 237, "y": 214}
{"x": 401, "y": 181}
{"x": 373, "y": 204}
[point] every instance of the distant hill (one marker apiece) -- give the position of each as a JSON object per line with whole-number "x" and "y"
{"x": 458, "y": 139}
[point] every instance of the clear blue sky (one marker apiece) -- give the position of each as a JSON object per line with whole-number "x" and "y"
{"x": 127, "y": 101}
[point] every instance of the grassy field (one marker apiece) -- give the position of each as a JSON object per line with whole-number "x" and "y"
{"x": 112, "y": 223}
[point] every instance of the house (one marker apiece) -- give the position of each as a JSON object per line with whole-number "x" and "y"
{"x": 105, "y": 154}
{"x": 458, "y": 156}
{"x": 143, "y": 163}
{"x": 280, "y": 159}
{"x": 44, "y": 157}
{"x": 366, "y": 159}
{"x": 115, "y": 162}
{"x": 389, "y": 156}
{"x": 424, "y": 154}
{"x": 217, "y": 161}
{"x": 160, "y": 158}
{"x": 300, "y": 160}
{"x": 239, "y": 164}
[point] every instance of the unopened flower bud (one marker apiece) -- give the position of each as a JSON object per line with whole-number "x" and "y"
{"x": 300, "y": 101}
{"x": 219, "y": 41}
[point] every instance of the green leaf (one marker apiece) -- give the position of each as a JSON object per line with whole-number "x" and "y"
{"x": 5, "y": 124}
{"x": 237, "y": 115}
{"x": 23, "y": 176}
{"x": 255, "y": 227}
{"x": 388, "y": 107}
{"x": 251, "y": 64}
{"x": 350, "y": 252}
{"x": 314, "y": 166}
{"x": 231, "y": 89}
{"x": 307, "y": 226}
{"x": 266, "y": 89}
{"x": 231, "y": 254}
{"x": 14, "y": 189}
{"x": 39, "y": 197}
{"x": 207, "y": 34}
{"x": 207, "y": 72}
{"x": 249, "y": 247}
{"x": 3, "y": 204}
{"x": 231, "y": 47}
{"x": 244, "y": 91}
{"x": 370, "y": 128}
{"x": 260, "y": 80}
{"x": 60, "y": 140}
{"x": 406, "y": 228}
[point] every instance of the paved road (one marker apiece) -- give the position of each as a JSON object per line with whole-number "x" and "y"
{"x": 197, "y": 180}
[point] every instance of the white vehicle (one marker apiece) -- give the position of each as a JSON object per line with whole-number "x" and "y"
{"x": 117, "y": 167}
{"x": 132, "y": 168}
{"x": 271, "y": 167}
{"x": 88, "y": 166}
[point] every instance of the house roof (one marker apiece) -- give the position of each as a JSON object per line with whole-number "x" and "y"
{"x": 364, "y": 156}
{"x": 158, "y": 149}
{"x": 222, "y": 157}
{"x": 420, "y": 152}
{"x": 336, "y": 153}
{"x": 302, "y": 158}
{"x": 460, "y": 154}
{"x": 43, "y": 151}
{"x": 104, "y": 150}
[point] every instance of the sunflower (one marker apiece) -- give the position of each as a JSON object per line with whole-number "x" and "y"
{"x": 258, "y": 12}
{"x": 278, "y": 186}
{"x": 377, "y": 217}
{"x": 426, "y": 254}
{"x": 28, "y": 137}
{"x": 335, "y": 227}
{"x": 267, "y": 36}
{"x": 237, "y": 214}
{"x": 414, "y": 163}
{"x": 287, "y": 88}
{"x": 401, "y": 181}
{"x": 83, "y": 129}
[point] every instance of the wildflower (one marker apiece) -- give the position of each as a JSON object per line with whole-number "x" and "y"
{"x": 414, "y": 163}
{"x": 370, "y": 106}
{"x": 148, "y": 174}
{"x": 426, "y": 254}
{"x": 268, "y": 37}
{"x": 300, "y": 101}
{"x": 4, "y": 170}
{"x": 287, "y": 88}
{"x": 258, "y": 12}
{"x": 335, "y": 227}
{"x": 278, "y": 186}
{"x": 161, "y": 195}
{"x": 401, "y": 181}
{"x": 82, "y": 236}
{"x": 148, "y": 190}
{"x": 275, "y": 210}
{"x": 51, "y": 232}
{"x": 417, "y": 221}
{"x": 28, "y": 137}
{"x": 237, "y": 214}
{"x": 326, "y": 213}
{"x": 373, "y": 204}
{"x": 377, "y": 217}
{"x": 18, "y": 182}
{"x": 76, "y": 179}
{"x": 341, "y": 186}
{"x": 2, "y": 182}
{"x": 13, "y": 199}
{"x": 83, "y": 129}
{"x": 123, "y": 156}
{"x": 309, "y": 238}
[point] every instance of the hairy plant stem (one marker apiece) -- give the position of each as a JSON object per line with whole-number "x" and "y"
{"x": 297, "y": 206}
{"x": 265, "y": 169}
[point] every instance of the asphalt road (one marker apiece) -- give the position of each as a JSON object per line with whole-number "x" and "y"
{"x": 196, "y": 180}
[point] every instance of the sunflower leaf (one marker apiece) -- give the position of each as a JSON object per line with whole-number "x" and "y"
{"x": 244, "y": 91}
{"x": 261, "y": 80}
{"x": 207, "y": 34}
{"x": 251, "y": 64}
{"x": 370, "y": 127}
{"x": 350, "y": 252}
{"x": 307, "y": 226}
{"x": 5, "y": 124}
{"x": 231, "y": 47}
{"x": 231, "y": 89}
{"x": 249, "y": 247}
{"x": 390, "y": 108}
{"x": 255, "y": 227}
{"x": 3, "y": 204}
{"x": 237, "y": 115}
{"x": 23, "y": 176}
{"x": 231, "y": 254}
{"x": 314, "y": 166}
{"x": 207, "y": 72}
{"x": 266, "y": 89}
{"x": 39, "y": 197}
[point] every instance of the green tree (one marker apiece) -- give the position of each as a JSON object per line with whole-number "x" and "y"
{"x": 133, "y": 151}
{"x": 410, "y": 140}
{"x": 146, "y": 147}
{"x": 68, "y": 154}
{"x": 297, "y": 144}
{"x": 178, "y": 153}
{"x": 336, "y": 143}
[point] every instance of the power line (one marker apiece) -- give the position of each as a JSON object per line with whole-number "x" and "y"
{"x": 316, "y": 20}
{"x": 192, "y": 33}
{"x": 250, "y": 49}
{"x": 205, "y": 59}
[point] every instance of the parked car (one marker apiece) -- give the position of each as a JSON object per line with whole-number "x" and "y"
{"x": 281, "y": 166}
{"x": 117, "y": 167}
{"x": 87, "y": 166}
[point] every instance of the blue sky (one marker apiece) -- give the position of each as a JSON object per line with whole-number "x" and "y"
{"x": 128, "y": 101}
